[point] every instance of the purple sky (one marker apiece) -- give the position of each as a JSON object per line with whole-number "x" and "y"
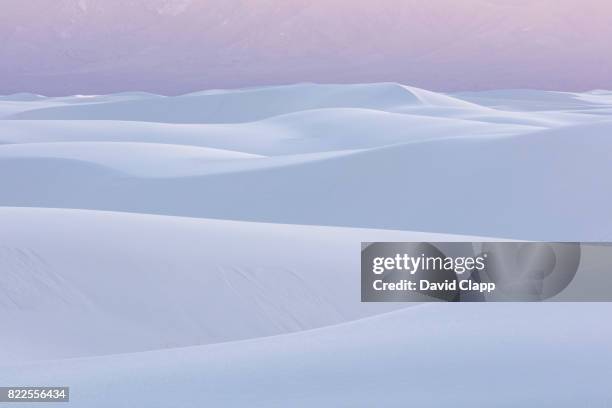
{"x": 175, "y": 46}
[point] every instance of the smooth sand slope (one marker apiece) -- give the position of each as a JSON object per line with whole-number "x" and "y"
{"x": 503, "y": 355}
{"x": 78, "y": 283}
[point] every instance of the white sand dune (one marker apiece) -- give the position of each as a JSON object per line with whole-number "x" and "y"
{"x": 129, "y": 282}
{"x": 23, "y": 102}
{"x": 512, "y": 186}
{"x": 135, "y": 225}
{"x": 235, "y": 106}
{"x": 375, "y": 156}
{"x": 528, "y": 99}
{"x": 503, "y": 355}
{"x": 310, "y": 131}
{"x": 138, "y": 159}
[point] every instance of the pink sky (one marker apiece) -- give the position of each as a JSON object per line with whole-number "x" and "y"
{"x": 175, "y": 46}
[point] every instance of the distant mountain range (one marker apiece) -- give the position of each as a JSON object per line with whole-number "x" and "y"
{"x": 174, "y": 46}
